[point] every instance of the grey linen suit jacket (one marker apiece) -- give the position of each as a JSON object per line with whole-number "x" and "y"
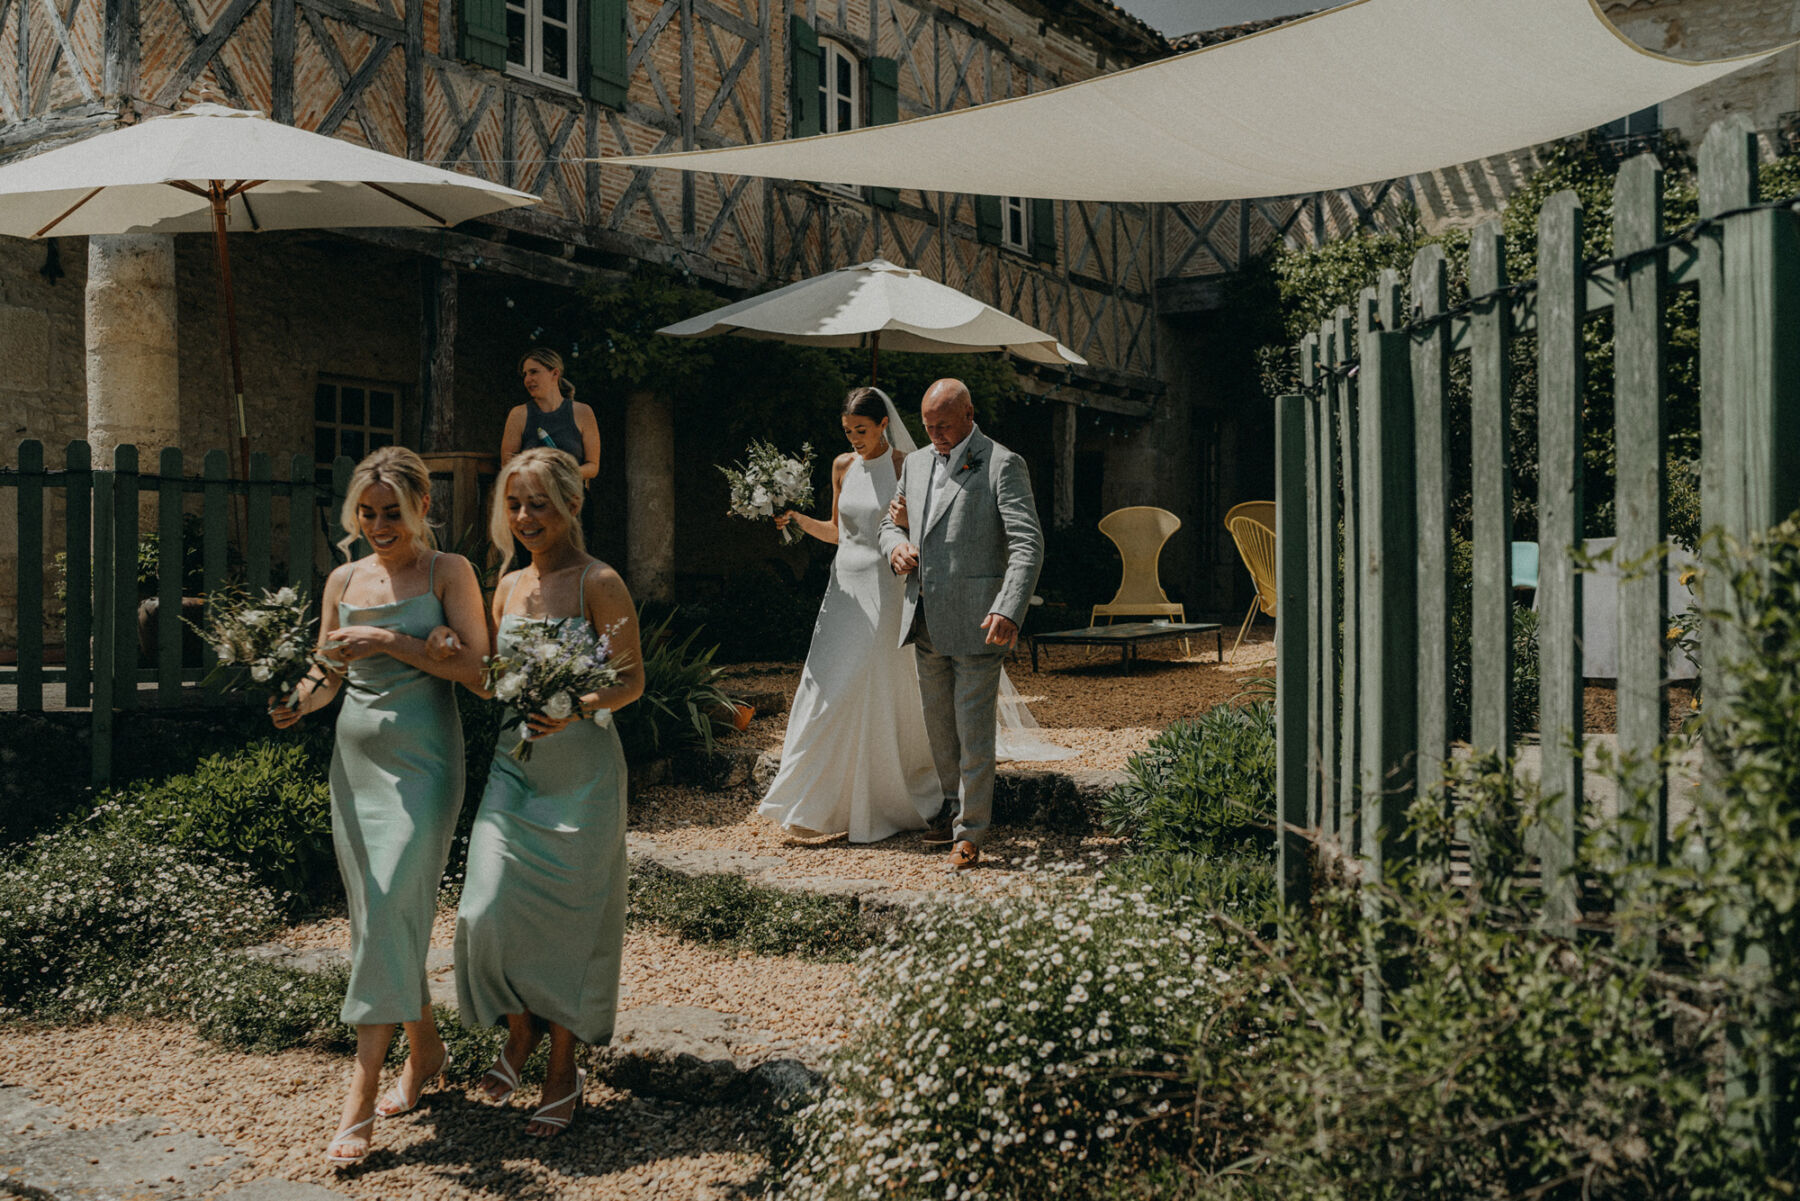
{"x": 980, "y": 551}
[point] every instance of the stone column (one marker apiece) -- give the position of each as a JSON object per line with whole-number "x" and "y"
{"x": 650, "y": 487}
{"x": 133, "y": 386}
{"x": 1062, "y": 505}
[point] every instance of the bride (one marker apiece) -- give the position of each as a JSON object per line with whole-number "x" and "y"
{"x": 856, "y": 758}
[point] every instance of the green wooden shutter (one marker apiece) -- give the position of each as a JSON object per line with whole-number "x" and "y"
{"x": 605, "y": 78}
{"x": 484, "y": 32}
{"x": 1043, "y": 230}
{"x": 987, "y": 219}
{"x": 803, "y": 70}
{"x": 884, "y": 109}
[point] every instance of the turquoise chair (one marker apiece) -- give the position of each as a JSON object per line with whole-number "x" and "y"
{"x": 1524, "y": 566}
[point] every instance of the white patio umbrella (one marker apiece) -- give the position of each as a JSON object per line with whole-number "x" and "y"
{"x": 878, "y": 304}
{"x": 218, "y": 168}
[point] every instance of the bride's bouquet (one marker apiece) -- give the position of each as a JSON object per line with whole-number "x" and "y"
{"x": 553, "y": 663}
{"x": 264, "y": 642}
{"x": 770, "y": 483}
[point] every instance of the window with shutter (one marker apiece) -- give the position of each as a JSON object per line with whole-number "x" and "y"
{"x": 484, "y": 32}
{"x": 608, "y": 45}
{"x": 804, "y": 74}
{"x": 1043, "y": 230}
{"x": 884, "y": 109}
{"x": 988, "y": 226}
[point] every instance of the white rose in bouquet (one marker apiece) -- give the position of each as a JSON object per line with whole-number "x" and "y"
{"x": 559, "y": 706}
{"x": 510, "y": 685}
{"x": 770, "y": 483}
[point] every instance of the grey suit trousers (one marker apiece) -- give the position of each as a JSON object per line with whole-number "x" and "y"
{"x": 960, "y": 695}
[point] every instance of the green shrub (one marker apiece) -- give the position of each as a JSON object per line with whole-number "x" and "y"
{"x": 1735, "y": 891}
{"x": 726, "y": 908}
{"x": 679, "y": 697}
{"x": 97, "y": 919}
{"x": 266, "y": 806}
{"x": 1240, "y": 883}
{"x": 250, "y": 1005}
{"x": 1015, "y": 1048}
{"x": 1508, "y": 1063}
{"x": 1205, "y": 786}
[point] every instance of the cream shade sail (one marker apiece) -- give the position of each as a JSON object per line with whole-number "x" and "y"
{"x": 1374, "y": 90}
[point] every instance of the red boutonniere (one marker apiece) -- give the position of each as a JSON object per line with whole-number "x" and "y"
{"x": 969, "y": 465}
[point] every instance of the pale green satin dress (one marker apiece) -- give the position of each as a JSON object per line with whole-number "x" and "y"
{"x": 396, "y": 788}
{"x": 542, "y": 923}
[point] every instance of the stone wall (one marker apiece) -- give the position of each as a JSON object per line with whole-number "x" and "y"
{"x": 1714, "y": 29}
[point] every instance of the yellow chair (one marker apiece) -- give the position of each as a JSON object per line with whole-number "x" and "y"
{"x": 1140, "y": 531}
{"x": 1252, "y": 526}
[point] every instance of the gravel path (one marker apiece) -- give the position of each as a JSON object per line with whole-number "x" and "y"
{"x": 1083, "y": 702}
{"x": 278, "y": 1110}
{"x": 798, "y": 999}
{"x": 689, "y": 819}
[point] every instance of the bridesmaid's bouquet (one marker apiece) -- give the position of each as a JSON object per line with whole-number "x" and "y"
{"x": 770, "y": 483}
{"x": 264, "y": 642}
{"x": 551, "y": 665}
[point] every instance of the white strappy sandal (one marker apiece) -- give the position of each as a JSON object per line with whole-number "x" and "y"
{"x": 506, "y": 1074}
{"x": 347, "y": 1137}
{"x": 558, "y": 1125}
{"x": 395, "y": 1102}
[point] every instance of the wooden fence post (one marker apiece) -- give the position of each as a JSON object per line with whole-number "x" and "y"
{"x": 171, "y": 576}
{"x": 1639, "y": 419}
{"x": 1759, "y": 401}
{"x": 1348, "y": 822}
{"x": 1562, "y": 301}
{"x": 100, "y": 715}
{"x": 30, "y": 513}
{"x": 215, "y": 517}
{"x": 124, "y": 518}
{"x": 1316, "y": 643}
{"x": 1431, "y": 394}
{"x": 78, "y": 575}
{"x": 300, "y": 523}
{"x": 1490, "y": 453}
{"x": 1387, "y": 705}
{"x": 1292, "y": 651}
{"x": 261, "y": 523}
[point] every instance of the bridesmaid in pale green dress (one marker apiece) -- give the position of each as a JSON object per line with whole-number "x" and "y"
{"x": 397, "y": 766}
{"x": 542, "y": 924}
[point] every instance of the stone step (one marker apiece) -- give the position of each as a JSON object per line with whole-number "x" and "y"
{"x": 44, "y": 1158}
{"x": 878, "y": 903}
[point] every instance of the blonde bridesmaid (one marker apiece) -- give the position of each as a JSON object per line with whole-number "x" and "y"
{"x": 396, "y": 768}
{"x": 542, "y": 924}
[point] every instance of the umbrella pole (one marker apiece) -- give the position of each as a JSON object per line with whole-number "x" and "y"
{"x": 220, "y": 201}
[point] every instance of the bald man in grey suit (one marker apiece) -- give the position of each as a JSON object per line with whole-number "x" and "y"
{"x": 971, "y": 558}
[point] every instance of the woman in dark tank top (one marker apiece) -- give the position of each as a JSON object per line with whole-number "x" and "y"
{"x": 552, "y": 416}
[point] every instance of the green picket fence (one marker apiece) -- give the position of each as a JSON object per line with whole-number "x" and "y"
{"x": 99, "y": 538}
{"x": 1363, "y": 483}
{"x": 1363, "y": 657}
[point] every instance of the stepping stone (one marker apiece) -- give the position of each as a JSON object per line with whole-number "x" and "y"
{"x": 701, "y": 1055}
{"x": 876, "y": 898}
{"x": 130, "y": 1160}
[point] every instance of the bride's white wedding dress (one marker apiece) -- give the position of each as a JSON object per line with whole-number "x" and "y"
{"x": 856, "y": 757}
